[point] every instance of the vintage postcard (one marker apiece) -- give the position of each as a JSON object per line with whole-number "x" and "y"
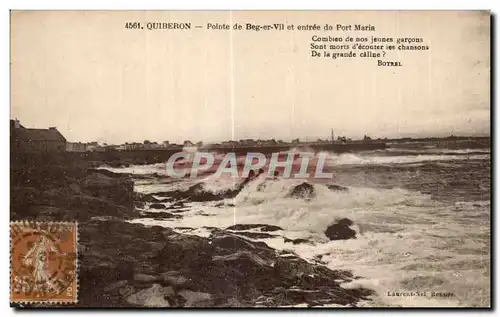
{"x": 291, "y": 159}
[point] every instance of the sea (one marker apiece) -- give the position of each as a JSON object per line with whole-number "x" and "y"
{"x": 421, "y": 214}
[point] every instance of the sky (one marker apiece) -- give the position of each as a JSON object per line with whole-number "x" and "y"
{"x": 95, "y": 80}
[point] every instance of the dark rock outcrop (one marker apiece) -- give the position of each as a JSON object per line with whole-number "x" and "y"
{"x": 296, "y": 241}
{"x": 304, "y": 190}
{"x": 119, "y": 190}
{"x": 223, "y": 270}
{"x": 159, "y": 215}
{"x": 45, "y": 189}
{"x": 334, "y": 187}
{"x": 157, "y": 206}
{"x": 340, "y": 230}
{"x": 256, "y": 235}
{"x": 197, "y": 193}
{"x": 262, "y": 227}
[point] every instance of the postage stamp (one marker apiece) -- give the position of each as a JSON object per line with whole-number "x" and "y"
{"x": 43, "y": 261}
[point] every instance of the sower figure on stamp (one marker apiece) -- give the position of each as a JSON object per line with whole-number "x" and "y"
{"x": 38, "y": 258}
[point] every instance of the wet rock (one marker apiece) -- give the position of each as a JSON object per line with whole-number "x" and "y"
{"x": 104, "y": 172}
{"x": 127, "y": 264}
{"x": 243, "y": 258}
{"x": 157, "y": 206}
{"x": 256, "y": 235}
{"x": 99, "y": 196}
{"x": 149, "y": 199}
{"x": 270, "y": 228}
{"x": 334, "y": 187}
{"x": 228, "y": 243}
{"x": 185, "y": 252}
{"x": 304, "y": 190}
{"x": 340, "y": 230}
{"x": 262, "y": 227}
{"x": 159, "y": 215}
{"x": 177, "y": 205}
{"x": 175, "y": 279}
{"x": 197, "y": 193}
{"x": 139, "y": 204}
{"x": 140, "y": 277}
{"x": 196, "y": 299}
{"x": 117, "y": 285}
{"x": 297, "y": 241}
{"x": 345, "y": 222}
{"x": 119, "y": 190}
{"x": 161, "y": 194}
{"x": 151, "y": 297}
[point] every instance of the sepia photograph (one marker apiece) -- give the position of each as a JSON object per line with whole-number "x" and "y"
{"x": 250, "y": 159}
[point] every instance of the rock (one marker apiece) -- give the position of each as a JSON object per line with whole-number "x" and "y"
{"x": 262, "y": 227}
{"x": 129, "y": 264}
{"x": 116, "y": 285}
{"x": 242, "y": 258}
{"x": 304, "y": 190}
{"x": 185, "y": 252}
{"x": 139, "y": 204}
{"x": 176, "y": 206}
{"x": 126, "y": 291}
{"x": 292, "y": 268}
{"x": 345, "y": 222}
{"x": 104, "y": 172}
{"x": 151, "y": 297}
{"x": 241, "y": 274}
{"x": 175, "y": 279}
{"x": 297, "y": 241}
{"x": 230, "y": 243}
{"x": 197, "y": 193}
{"x": 159, "y": 215}
{"x": 118, "y": 190}
{"x": 270, "y": 228}
{"x": 145, "y": 278}
{"x": 196, "y": 299}
{"x": 340, "y": 230}
{"x": 334, "y": 187}
{"x": 149, "y": 199}
{"x": 256, "y": 235}
{"x": 157, "y": 206}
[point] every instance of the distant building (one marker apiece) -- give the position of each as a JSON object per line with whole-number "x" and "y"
{"x": 36, "y": 140}
{"x": 133, "y": 146}
{"x": 94, "y": 147}
{"x": 76, "y": 147}
{"x": 188, "y": 143}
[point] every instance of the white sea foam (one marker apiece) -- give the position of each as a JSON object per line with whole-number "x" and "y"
{"x": 356, "y": 159}
{"x": 405, "y": 242}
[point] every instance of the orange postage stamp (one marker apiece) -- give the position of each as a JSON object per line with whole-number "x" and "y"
{"x": 43, "y": 262}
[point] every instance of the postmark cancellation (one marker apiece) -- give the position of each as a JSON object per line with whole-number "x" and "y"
{"x": 43, "y": 260}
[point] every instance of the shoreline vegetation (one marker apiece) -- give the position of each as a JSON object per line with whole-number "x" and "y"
{"x": 122, "y": 264}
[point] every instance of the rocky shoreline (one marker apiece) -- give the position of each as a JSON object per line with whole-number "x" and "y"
{"x": 123, "y": 264}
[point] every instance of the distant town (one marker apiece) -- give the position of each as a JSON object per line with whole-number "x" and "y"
{"x": 51, "y": 140}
